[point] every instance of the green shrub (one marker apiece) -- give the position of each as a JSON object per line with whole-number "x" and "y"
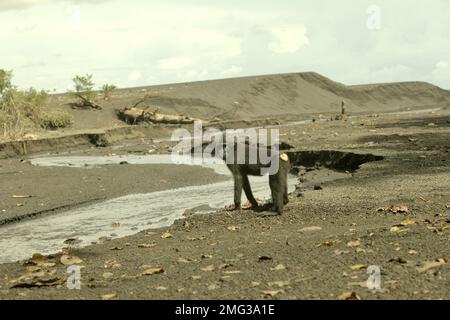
{"x": 55, "y": 120}
{"x": 84, "y": 87}
{"x": 23, "y": 110}
{"x": 107, "y": 89}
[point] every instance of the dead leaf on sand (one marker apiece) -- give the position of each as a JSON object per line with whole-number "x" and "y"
{"x": 146, "y": 245}
{"x": 338, "y": 252}
{"x": 70, "y": 260}
{"x": 232, "y": 271}
{"x": 112, "y": 264}
{"x": 33, "y": 269}
{"x": 166, "y": 235}
{"x": 41, "y": 261}
{"x": 394, "y": 209}
{"x": 36, "y": 278}
{"x": 109, "y": 296}
{"x": 278, "y": 267}
{"x": 152, "y": 271}
{"x": 349, "y": 295}
{"x": 407, "y": 222}
{"x": 196, "y": 239}
{"x": 278, "y": 283}
{"x": 353, "y": 243}
{"x": 208, "y": 268}
{"x": 432, "y": 264}
{"x": 19, "y": 196}
{"x": 224, "y": 265}
{"x": 108, "y": 275}
{"x": 359, "y": 266}
{"x": 272, "y": 293}
{"x": 162, "y": 288}
{"x": 398, "y": 228}
{"x": 310, "y": 229}
{"x": 327, "y": 243}
{"x": 213, "y": 286}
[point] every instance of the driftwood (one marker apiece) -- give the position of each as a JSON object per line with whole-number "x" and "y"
{"x": 134, "y": 115}
{"x": 86, "y": 102}
{"x": 131, "y": 115}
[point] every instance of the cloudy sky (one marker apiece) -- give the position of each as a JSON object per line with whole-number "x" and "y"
{"x": 142, "y": 42}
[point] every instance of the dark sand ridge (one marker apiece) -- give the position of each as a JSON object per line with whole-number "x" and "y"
{"x": 282, "y": 96}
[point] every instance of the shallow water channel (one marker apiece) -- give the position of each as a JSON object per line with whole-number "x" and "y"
{"x": 121, "y": 216}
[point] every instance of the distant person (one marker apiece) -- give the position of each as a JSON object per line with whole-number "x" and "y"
{"x": 343, "y": 107}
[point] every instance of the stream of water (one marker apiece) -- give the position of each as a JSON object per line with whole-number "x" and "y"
{"x": 121, "y": 216}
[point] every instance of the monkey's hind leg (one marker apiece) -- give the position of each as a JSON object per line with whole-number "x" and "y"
{"x": 285, "y": 194}
{"x": 248, "y": 191}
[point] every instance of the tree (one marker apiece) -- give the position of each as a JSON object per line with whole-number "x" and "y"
{"x": 107, "y": 89}
{"x": 84, "y": 86}
{"x": 5, "y": 80}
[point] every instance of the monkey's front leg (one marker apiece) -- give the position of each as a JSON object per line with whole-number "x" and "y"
{"x": 237, "y": 191}
{"x": 277, "y": 189}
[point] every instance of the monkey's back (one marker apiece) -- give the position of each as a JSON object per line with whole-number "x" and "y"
{"x": 234, "y": 163}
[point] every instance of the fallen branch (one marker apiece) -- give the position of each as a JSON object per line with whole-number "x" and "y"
{"x": 88, "y": 103}
{"x": 133, "y": 115}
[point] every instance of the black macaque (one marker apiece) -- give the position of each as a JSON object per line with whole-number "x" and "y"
{"x": 241, "y": 171}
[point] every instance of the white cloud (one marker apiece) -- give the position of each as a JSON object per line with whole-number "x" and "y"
{"x": 233, "y": 70}
{"x": 442, "y": 65}
{"x": 441, "y": 71}
{"x": 135, "y": 76}
{"x": 192, "y": 75}
{"x": 392, "y": 73}
{"x": 174, "y": 63}
{"x": 23, "y": 4}
{"x": 288, "y": 39}
{"x": 73, "y": 20}
{"x": 19, "y": 4}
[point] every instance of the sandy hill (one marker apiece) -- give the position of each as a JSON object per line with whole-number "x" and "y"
{"x": 282, "y": 95}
